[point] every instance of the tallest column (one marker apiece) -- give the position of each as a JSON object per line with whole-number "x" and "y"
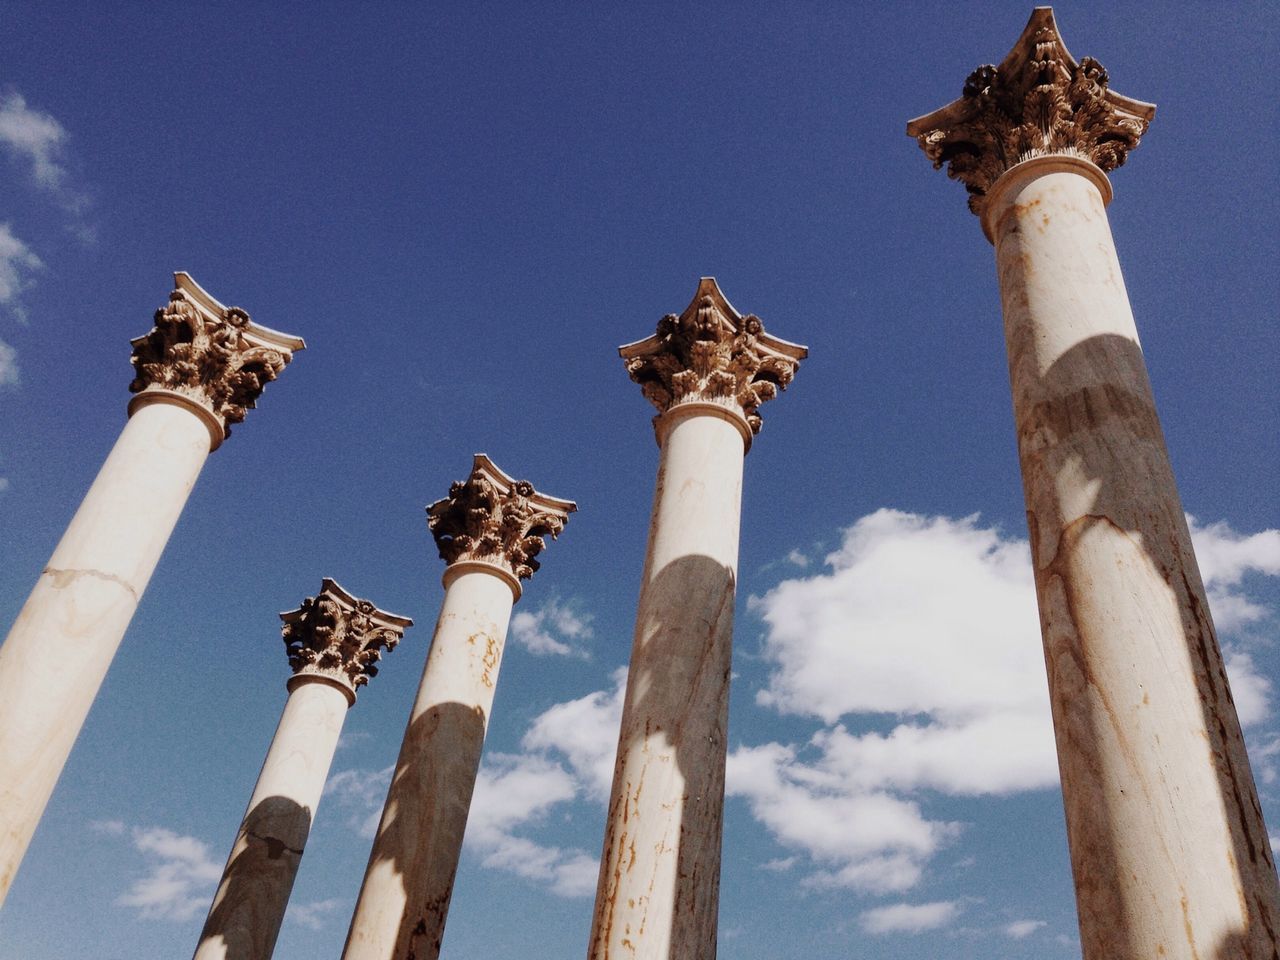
{"x": 197, "y": 371}
{"x": 1168, "y": 847}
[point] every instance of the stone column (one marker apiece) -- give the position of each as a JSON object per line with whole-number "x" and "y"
{"x": 197, "y": 371}
{"x": 333, "y": 641}
{"x": 1168, "y": 847}
{"x": 488, "y": 530}
{"x": 707, "y": 371}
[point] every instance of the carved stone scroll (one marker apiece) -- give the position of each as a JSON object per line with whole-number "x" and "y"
{"x": 712, "y": 354}
{"x": 339, "y": 637}
{"x": 212, "y": 355}
{"x": 492, "y": 518}
{"x": 1038, "y": 101}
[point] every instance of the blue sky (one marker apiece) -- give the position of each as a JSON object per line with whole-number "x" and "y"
{"x": 464, "y": 212}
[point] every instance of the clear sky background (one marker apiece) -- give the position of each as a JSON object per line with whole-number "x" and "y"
{"x": 464, "y": 209}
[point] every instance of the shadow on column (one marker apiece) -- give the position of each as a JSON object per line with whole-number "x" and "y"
{"x": 1132, "y": 470}
{"x": 430, "y": 794}
{"x": 258, "y": 880}
{"x": 687, "y": 623}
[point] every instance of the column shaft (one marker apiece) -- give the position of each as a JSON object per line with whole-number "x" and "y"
{"x": 1168, "y": 846}
{"x": 58, "y": 651}
{"x": 249, "y": 906}
{"x": 404, "y": 900}
{"x": 660, "y": 871}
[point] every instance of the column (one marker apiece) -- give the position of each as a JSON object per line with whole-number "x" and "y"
{"x": 196, "y": 373}
{"x": 1168, "y": 847}
{"x": 488, "y": 530}
{"x": 707, "y": 371}
{"x": 333, "y": 641}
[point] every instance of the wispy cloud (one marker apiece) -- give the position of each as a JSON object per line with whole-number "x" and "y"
{"x": 18, "y": 265}
{"x": 182, "y": 876}
{"x": 38, "y": 141}
{"x": 555, "y": 629}
{"x": 314, "y": 915}
{"x": 361, "y": 794}
{"x": 1021, "y": 929}
{"x": 909, "y": 917}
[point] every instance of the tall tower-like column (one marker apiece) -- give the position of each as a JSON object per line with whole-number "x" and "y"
{"x": 197, "y": 372}
{"x": 1168, "y": 847}
{"x": 333, "y": 641}
{"x": 707, "y": 371}
{"x": 489, "y": 530}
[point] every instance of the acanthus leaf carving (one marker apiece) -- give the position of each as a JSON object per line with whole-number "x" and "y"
{"x": 490, "y": 518}
{"x": 711, "y": 353}
{"x": 1037, "y": 102}
{"x": 339, "y": 637}
{"x": 211, "y": 355}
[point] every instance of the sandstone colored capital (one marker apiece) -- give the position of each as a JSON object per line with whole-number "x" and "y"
{"x": 208, "y": 357}
{"x": 712, "y": 354}
{"x": 1038, "y": 102}
{"x": 339, "y": 638}
{"x": 496, "y": 521}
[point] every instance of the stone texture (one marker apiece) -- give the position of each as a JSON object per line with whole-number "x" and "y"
{"x": 1038, "y": 101}
{"x": 62, "y": 643}
{"x": 486, "y": 529}
{"x": 212, "y": 356}
{"x": 658, "y": 892}
{"x": 248, "y": 908}
{"x": 1169, "y": 851}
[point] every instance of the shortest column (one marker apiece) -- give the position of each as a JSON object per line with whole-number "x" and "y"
{"x": 333, "y": 641}
{"x": 488, "y": 531}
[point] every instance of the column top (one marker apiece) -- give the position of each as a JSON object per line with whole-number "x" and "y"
{"x": 712, "y": 354}
{"x": 337, "y": 638}
{"x": 1039, "y": 101}
{"x": 493, "y": 521}
{"x": 209, "y": 357}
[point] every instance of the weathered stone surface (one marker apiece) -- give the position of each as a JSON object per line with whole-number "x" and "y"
{"x": 213, "y": 356}
{"x": 486, "y": 530}
{"x": 492, "y": 518}
{"x": 62, "y": 643}
{"x": 331, "y": 640}
{"x": 712, "y": 354}
{"x": 1038, "y": 101}
{"x": 339, "y": 637}
{"x": 658, "y": 892}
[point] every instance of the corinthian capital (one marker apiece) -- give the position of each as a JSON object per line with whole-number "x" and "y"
{"x": 1038, "y": 101}
{"x": 495, "y": 520}
{"x": 213, "y": 357}
{"x": 712, "y": 354}
{"x": 339, "y": 638}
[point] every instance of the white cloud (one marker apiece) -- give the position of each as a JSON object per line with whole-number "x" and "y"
{"x": 1021, "y": 929}
{"x": 554, "y": 629}
{"x": 1225, "y": 557}
{"x": 33, "y": 136}
{"x": 909, "y": 917}
{"x": 797, "y": 559}
{"x": 585, "y": 731}
{"x": 313, "y": 915}
{"x": 1275, "y": 843}
{"x": 932, "y": 622}
{"x": 182, "y": 878}
{"x": 112, "y": 828}
{"x": 361, "y": 793}
{"x": 17, "y": 264}
{"x": 515, "y": 791}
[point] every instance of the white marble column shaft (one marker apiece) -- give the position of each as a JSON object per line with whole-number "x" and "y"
{"x": 659, "y": 885}
{"x": 244, "y": 920}
{"x": 59, "y": 648}
{"x": 404, "y": 899}
{"x": 1169, "y": 850}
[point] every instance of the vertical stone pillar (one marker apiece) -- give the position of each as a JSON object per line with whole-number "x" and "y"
{"x": 334, "y": 641}
{"x": 488, "y": 530}
{"x": 1168, "y": 847}
{"x": 707, "y": 371}
{"x": 197, "y": 371}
